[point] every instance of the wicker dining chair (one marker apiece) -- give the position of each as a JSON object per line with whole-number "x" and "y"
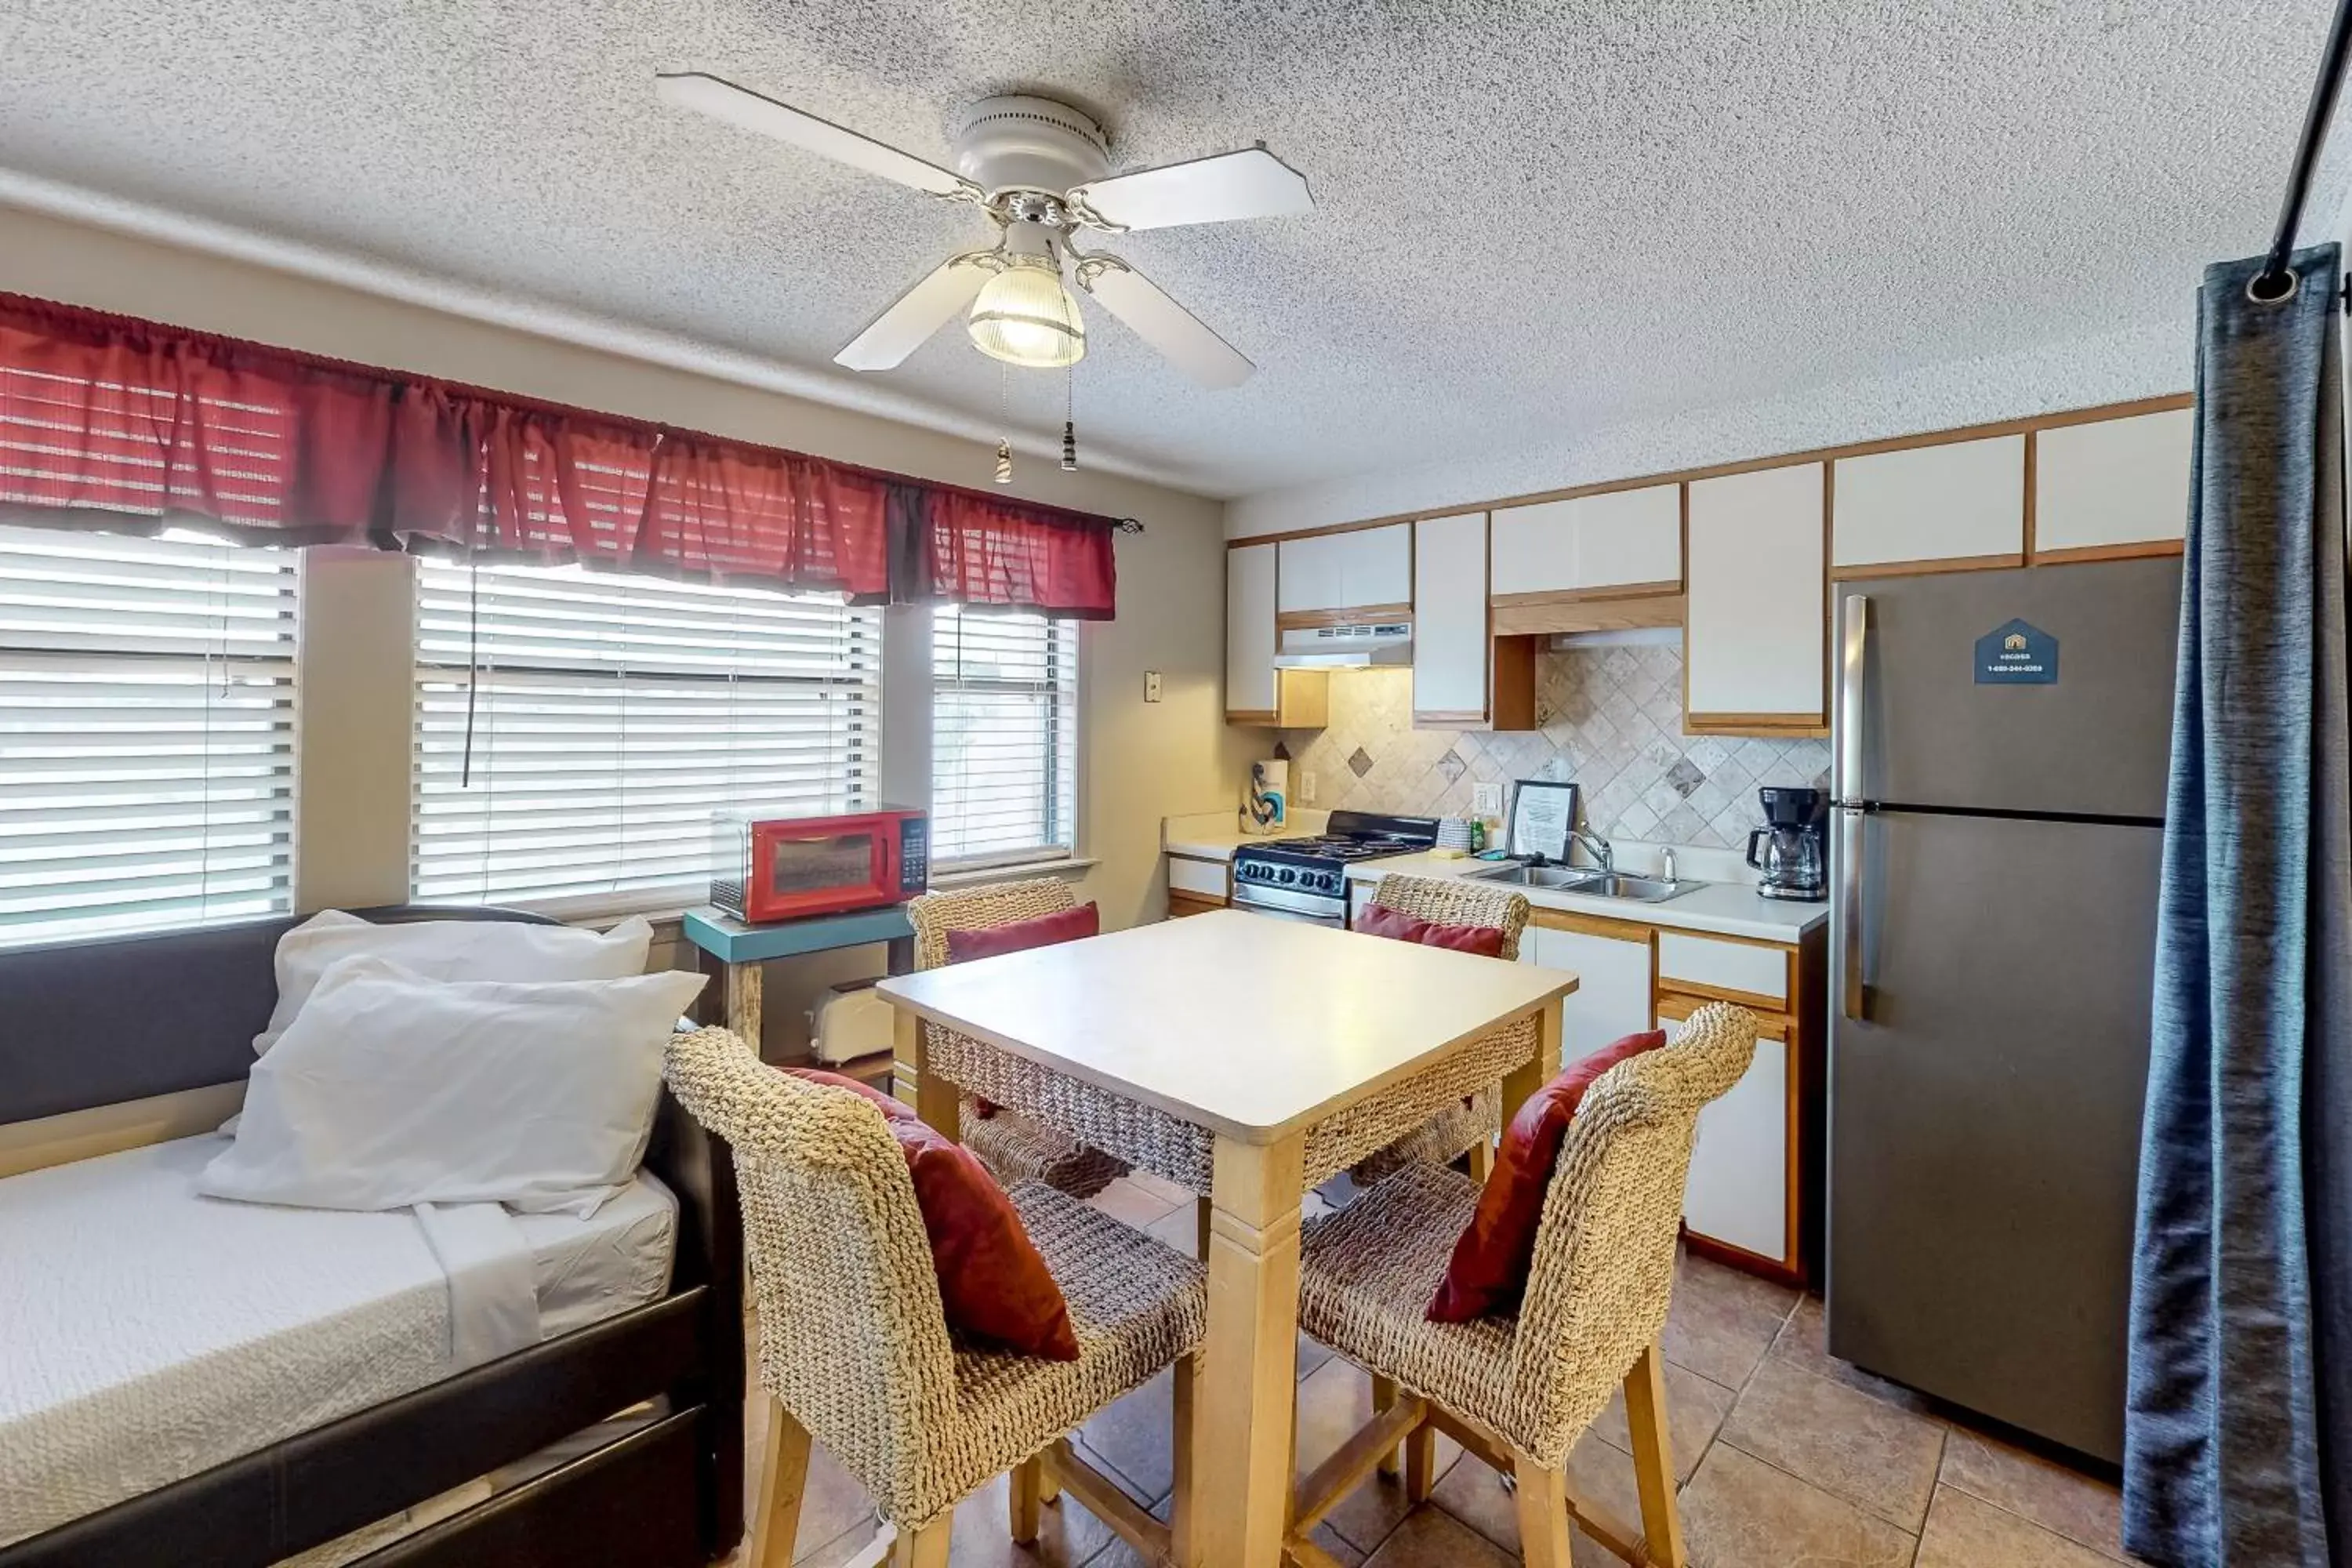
{"x": 1014, "y": 1146}
{"x": 854, "y": 1346}
{"x": 1469, "y": 1128}
{"x": 1517, "y": 1390}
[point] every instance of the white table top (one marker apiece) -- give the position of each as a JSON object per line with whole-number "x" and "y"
{"x": 1253, "y": 1027}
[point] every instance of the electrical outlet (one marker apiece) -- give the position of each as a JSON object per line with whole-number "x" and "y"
{"x": 1306, "y": 789}
{"x": 1151, "y": 686}
{"x": 1486, "y": 799}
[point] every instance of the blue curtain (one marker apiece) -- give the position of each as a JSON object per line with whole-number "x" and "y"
{"x": 2239, "y": 1431}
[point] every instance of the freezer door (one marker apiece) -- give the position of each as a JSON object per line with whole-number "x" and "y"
{"x": 1984, "y": 1114}
{"x": 2094, "y": 741}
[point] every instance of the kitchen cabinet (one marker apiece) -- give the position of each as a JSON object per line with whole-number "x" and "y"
{"x": 1740, "y": 1189}
{"x": 1462, "y": 678}
{"x": 1610, "y": 959}
{"x": 1954, "y": 506}
{"x": 1329, "y": 577}
{"x": 2111, "y": 488}
{"x": 1255, "y": 691}
{"x": 1756, "y": 616}
{"x": 1621, "y": 543}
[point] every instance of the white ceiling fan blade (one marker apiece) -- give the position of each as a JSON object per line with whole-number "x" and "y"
{"x": 1163, "y": 324}
{"x": 915, "y": 315}
{"x": 741, "y": 105}
{"x": 1253, "y": 183}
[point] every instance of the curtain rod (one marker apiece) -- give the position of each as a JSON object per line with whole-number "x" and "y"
{"x": 2272, "y": 282}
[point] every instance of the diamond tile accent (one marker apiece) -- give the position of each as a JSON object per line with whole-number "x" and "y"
{"x": 1612, "y": 721}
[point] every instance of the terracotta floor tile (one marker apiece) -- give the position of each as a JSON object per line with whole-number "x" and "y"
{"x": 1694, "y": 1411}
{"x": 1161, "y": 1187}
{"x": 1431, "y": 1538}
{"x": 1740, "y": 1512}
{"x": 1333, "y": 1405}
{"x": 1133, "y": 1439}
{"x": 1864, "y": 1450}
{"x": 2083, "y": 1508}
{"x": 1178, "y": 1230}
{"x": 1964, "y": 1532}
{"x": 1803, "y": 1341}
{"x": 1474, "y": 1495}
{"x": 1722, "y": 1322}
{"x": 1067, "y": 1535}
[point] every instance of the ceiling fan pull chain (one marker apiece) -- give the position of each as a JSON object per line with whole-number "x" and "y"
{"x": 1004, "y": 419}
{"x": 1069, "y": 420}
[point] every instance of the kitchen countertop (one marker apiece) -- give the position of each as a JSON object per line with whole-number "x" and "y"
{"x": 1215, "y": 834}
{"x": 1723, "y": 908}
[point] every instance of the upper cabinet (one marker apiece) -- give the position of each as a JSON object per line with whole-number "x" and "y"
{"x": 1249, "y": 633}
{"x": 1756, "y": 627}
{"x": 1624, "y": 543}
{"x": 2111, "y": 488}
{"x": 1927, "y": 508}
{"x": 1363, "y": 569}
{"x": 1463, "y": 678}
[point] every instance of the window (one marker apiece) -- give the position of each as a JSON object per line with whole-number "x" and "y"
{"x": 1004, "y": 741}
{"x": 146, "y": 732}
{"x": 611, "y": 713}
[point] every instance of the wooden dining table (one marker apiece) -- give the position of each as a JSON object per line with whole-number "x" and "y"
{"x": 1246, "y": 1058}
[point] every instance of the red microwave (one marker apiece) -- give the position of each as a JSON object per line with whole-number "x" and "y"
{"x": 781, "y": 868}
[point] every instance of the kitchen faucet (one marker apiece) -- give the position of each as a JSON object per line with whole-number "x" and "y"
{"x": 1597, "y": 846}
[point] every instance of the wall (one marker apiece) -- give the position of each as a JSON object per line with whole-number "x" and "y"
{"x": 1612, "y": 721}
{"x": 1140, "y": 762}
{"x": 2142, "y": 363}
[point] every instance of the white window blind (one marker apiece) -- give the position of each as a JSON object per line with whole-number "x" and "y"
{"x": 611, "y": 714}
{"x": 1005, "y": 737}
{"x": 146, "y": 732}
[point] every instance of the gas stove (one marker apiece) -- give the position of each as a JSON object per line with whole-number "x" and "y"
{"x": 1306, "y": 878}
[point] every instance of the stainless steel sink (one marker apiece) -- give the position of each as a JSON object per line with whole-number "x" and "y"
{"x": 1592, "y": 882}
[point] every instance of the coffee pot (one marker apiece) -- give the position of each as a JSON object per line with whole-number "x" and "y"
{"x": 1790, "y": 849}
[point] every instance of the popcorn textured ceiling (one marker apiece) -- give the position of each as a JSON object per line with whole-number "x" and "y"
{"x": 1535, "y": 220}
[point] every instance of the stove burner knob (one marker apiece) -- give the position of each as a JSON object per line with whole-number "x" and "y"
{"x": 1288, "y": 875}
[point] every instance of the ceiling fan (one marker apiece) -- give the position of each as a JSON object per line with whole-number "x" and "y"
{"x": 1041, "y": 172}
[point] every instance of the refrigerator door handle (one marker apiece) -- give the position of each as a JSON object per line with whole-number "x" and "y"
{"x": 1855, "y": 657}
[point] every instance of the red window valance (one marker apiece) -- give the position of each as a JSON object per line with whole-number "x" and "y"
{"x": 110, "y": 422}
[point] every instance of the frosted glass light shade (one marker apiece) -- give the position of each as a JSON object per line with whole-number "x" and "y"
{"x": 1024, "y": 316}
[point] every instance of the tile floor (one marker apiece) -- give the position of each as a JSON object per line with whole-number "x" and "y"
{"x": 1786, "y": 1458}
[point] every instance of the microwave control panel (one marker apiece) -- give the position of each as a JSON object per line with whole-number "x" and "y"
{"x": 914, "y": 855}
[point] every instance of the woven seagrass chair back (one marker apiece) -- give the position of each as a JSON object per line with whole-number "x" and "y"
{"x": 853, "y": 1339}
{"x": 981, "y": 909}
{"x": 1458, "y": 903}
{"x": 1604, "y": 1257}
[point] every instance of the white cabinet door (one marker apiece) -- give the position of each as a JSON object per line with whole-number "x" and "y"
{"x": 1756, "y": 623}
{"x": 2115, "y": 482}
{"x": 1249, "y": 629}
{"x": 1449, "y": 618}
{"x": 1344, "y": 571}
{"x": 1738, "y": 1186}
{"x": 1961, "y": 500}
{"x": 1620, "y": 540}
{"x": 1612, "y": 999}
{"x": 1359, "y": 895}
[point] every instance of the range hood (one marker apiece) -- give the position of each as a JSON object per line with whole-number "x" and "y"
{"x": 1346, "y": 647}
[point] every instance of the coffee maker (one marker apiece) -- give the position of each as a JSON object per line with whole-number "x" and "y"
{"x": 1793, "y": 857}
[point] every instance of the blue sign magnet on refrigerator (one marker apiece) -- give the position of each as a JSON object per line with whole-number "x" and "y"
{"x": 2017, "y": 653}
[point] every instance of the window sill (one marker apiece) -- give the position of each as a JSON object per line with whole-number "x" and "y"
{"x": 981, "y": 875}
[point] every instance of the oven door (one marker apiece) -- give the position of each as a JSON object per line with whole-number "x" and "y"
{"x": 1288, "y": 904}
{"x": 822, "y": 866}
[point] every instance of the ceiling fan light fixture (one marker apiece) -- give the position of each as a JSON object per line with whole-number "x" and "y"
{"x": 1025, "y": 316}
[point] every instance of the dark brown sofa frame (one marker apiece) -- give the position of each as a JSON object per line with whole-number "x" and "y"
{"x": 98, "y": 1023}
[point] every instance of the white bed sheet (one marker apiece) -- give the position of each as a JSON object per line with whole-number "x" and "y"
{"x": 148, "y": 1333}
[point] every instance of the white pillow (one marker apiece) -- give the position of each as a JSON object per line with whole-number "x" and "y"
{"x": 393, "y": 1089}
{"x": 450, "y": 949}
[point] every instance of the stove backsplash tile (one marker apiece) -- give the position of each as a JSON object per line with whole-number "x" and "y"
{"x": 1613, "y": 720}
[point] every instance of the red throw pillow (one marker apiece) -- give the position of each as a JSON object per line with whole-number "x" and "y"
{"x": 1379, "y": 919}
{"x": 1018, "y": 936}
{"x": 992, "y": 1283}
{"x": 1489, "y": 1269}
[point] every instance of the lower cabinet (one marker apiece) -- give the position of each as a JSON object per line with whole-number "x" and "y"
{"x": 1196, "y": 886}
{"x": 1610, "y": 959}
{"x": 1742, "y": 1172}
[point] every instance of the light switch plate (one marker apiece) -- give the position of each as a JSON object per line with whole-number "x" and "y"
{"x": 1486, "y": 799}
{"x": 1151, "y": 686}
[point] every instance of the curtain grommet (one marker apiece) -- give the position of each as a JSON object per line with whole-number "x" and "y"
{"x": 2293, "y": 286}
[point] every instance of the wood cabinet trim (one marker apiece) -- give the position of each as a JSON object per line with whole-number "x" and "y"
{"x": 1545, "y": 614}
{"x": 2077, "y": 554}
{"x": 1340, "y": 615}
{"x": 1680, "y": 998}
{"x": 1595, "y": 925}
{"x": 1775, "y": 1269}
{"x": 1797, "y": 726}
{"x": 1449, "y": 718}
{"x": 1250, "y": 716}
{"x": 1920, "y": 568}
{"x": 1587, "y": 596}
{"x": 1192, "y": 904}
{"x": 2021, "y": 426}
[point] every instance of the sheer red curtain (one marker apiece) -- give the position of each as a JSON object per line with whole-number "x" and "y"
{"x": 112, "y": 422}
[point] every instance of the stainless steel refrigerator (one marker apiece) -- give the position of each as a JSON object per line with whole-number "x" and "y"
{"x": 2002, "y": 740}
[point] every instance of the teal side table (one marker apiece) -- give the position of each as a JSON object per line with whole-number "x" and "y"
{"x": 733, "y": 951}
